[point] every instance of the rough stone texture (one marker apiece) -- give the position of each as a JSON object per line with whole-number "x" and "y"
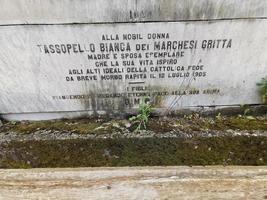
{"x": 92, "y": 11}
{"x": 148, "y": 183}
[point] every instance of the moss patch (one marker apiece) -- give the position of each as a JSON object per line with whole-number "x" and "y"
{"x": 158, "y": 125}
{"x": 196, "y": 123}
{"x": 135, "y": 152}
{"x": 82, "y": 126}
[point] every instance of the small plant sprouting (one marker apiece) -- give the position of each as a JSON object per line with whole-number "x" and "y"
{"x": 246, "y": 110}
{"x": 142, "y": 118}
{"x": 218, "y": 116}
{"x": 263, "y": 89}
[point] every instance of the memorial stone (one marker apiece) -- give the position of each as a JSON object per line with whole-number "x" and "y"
{"x": 79, "y": 59}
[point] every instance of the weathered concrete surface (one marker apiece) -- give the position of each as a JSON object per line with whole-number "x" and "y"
{"x": 92, "y": 11}
{"x": 38, "y": 77}
{"x": 135, "y": 183}
{"x": 39, "y": 85}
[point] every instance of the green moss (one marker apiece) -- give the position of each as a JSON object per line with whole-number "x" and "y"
{"x": 240, "y": 123}
{"x": 82, "y": 126}
{"x": 158, "y": 125}
{"x": 136, "y": 152}
{"x": 223, "y": 123}
{"x": 8, "y": 163}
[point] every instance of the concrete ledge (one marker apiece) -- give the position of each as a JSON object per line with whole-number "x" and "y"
{"x": 228, "y": 110}
{"x": 135, "y": 183}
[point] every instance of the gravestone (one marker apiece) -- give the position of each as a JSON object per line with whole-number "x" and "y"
{"x": 74, "y": 58}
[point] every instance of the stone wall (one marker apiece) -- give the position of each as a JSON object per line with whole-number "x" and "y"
{"x": 78, "y": 58}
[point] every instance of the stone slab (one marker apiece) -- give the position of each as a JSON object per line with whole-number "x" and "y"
{"x": 135, "y": 183}
{"x": 92, "y": 11}
{"x": 106, "y": 68}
